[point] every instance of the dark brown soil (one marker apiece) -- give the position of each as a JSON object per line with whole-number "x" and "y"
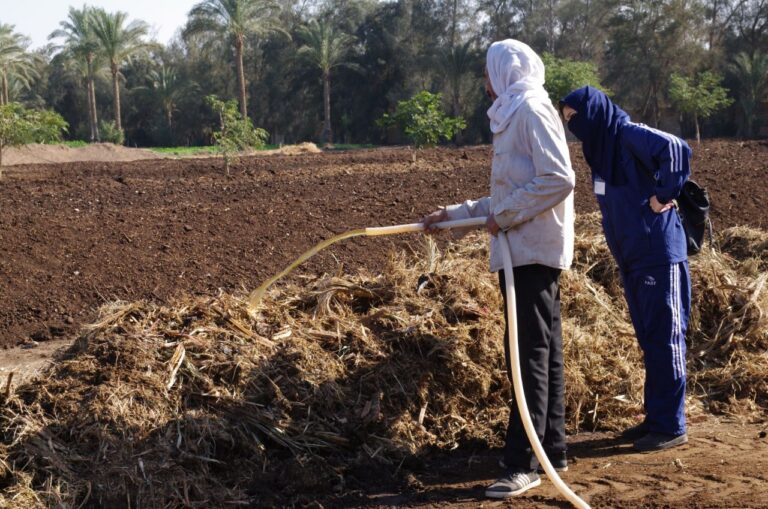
{"x": 722, "y": 466}
{"x": 76, "y": 235}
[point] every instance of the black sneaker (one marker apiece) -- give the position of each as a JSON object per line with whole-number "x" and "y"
{"x": 635, "y": 432}
{"x": 658, "y": 441}
{"x": 513, "y": 484}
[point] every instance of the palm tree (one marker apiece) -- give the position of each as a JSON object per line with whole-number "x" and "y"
{"x": 169, "y": 90}
{"x": 751, "y": 72}
{"x": 325, "y": 48}
{"x": 457, "y": 62}
{"x": 81, "y": 45}
{"x": 15, "y": 62}
{"x": 118, "y": 42}
{"x": 234, "y": 19}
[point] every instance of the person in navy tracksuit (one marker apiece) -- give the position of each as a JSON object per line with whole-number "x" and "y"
{"x": 637, "y": 172}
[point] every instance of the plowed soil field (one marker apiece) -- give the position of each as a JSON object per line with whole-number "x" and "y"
{"x": 76, "y": 235}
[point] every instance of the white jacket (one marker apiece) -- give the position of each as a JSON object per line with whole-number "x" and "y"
{"x": 531, "y": 190}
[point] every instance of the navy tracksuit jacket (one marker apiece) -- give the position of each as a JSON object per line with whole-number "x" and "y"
{"x": 650, "y": 250}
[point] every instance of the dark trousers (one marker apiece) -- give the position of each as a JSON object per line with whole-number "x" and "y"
{"x": 540, "y": 340}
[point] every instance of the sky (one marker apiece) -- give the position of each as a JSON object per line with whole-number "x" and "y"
{"x": 38, "y": 18}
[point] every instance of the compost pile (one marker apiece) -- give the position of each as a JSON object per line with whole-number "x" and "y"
{"x": 198, "y": 403}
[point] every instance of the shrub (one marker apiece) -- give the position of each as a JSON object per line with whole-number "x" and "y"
{"x": 235, "y": 134}
{"x": 422, "y": 120}
{"x": 700, "y": 96}
{"x": 564, "y": 76}
{"x": 110, "y": 133}
{"x": 19, "y": 126}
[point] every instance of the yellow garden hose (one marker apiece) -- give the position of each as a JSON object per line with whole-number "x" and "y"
{"x": 517, "y": 383}
{"x": 258, "y": 293}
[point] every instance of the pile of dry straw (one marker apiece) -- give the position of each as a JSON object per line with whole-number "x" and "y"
{"x": 198, "y": 404}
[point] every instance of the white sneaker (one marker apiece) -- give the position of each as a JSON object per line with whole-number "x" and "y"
{"x": 513, "y": 484}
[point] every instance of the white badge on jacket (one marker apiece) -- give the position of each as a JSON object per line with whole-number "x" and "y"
{"x": 600, "y": 186}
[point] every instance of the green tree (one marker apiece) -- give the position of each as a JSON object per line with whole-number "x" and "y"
{"x": 169, "y": 90}
{"x": 19, "y": 126}
{"x": 16, "y": 63}
{"x": 80, "y": 44}
{"x": 564, "y": 75}
{"x": 454, "y": 13}
{"x": 750, "y": 22}
{"x": 118, "y": 42}
{"x": 422, "y": 120}
{"x": 234, "y": 20}
{"x": 235, "y": 134}
{"x": 458, "y": 62}
{"x": 701, "y": 97}
{"x": 582, "y": 33}
{"x": 510, "y": 18}
{"x": 325, "y": 48}
{"x": 751, "y": 73}
{"x": 647, "y": 41}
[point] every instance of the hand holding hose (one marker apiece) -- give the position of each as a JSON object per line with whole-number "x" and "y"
{"x": 429, "y": 221}
{"x": 492, "y": 226}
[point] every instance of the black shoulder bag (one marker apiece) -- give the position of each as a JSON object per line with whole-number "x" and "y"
{"x": 693, "y": 207}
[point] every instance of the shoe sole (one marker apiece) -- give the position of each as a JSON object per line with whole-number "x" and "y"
{"x": 509, "y": 494}
{"x": 665, "y": 445}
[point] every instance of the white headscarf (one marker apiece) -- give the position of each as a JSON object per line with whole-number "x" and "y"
{"x": 516, "y": 73}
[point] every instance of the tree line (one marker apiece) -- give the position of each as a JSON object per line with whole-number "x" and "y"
{"x": 328, "y": 70}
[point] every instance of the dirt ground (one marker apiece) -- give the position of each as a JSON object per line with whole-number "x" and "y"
{"x": 77, "y": 235}
{"x": 108, "y": 152}
{"x": 723, "y": 466}
{"x": 50, "y": 154}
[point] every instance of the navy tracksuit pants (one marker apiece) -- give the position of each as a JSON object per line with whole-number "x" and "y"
{"x": 659, "y": 300}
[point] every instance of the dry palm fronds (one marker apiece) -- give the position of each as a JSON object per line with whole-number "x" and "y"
{"x": 745, "y": 243}
{"x": 200, "y": 404}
